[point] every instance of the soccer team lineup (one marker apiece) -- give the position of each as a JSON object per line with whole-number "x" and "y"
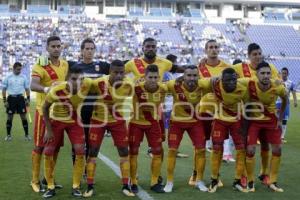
{"x": 158, "y": 99}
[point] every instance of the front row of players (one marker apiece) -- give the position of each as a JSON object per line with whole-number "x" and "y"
{"x": 234, "y": 100}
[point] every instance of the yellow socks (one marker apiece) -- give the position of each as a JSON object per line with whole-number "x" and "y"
{"x": 250, "y": 166}
{"x": 171, "y": 164}
{"x": 48, "y": 171}
{"x": 240, "y": 163}
{"x": 78, "y": 170}
{"x": 155, "y": 168}
{"x": 275, "y": 164}
{"x": 36, "y": 164}
{"x": 124, "y": 166}
{"x": 133, "y": 168}
{"x": 200, "y": 163}
{"x": 215, "y": 163}
{"x": 265, "y": 158}
{"x": 90, "y": 169}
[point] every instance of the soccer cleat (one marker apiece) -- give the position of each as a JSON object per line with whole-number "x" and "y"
{"x": 158, "y": 188}
{"x": 89, "y": 191}
{"x": 168, "y": 187}
{"x": 76, "y": 192}
{"x": 213, "y": 186}
{"x": 265, "y": 179}
{"x": 126, "y": 190}
{"x": 275, "y": 187}
{"x": 192, "y": 180}
{"x": 251, "y": 187}
{"x": 181, "y": 155}
{"x": 283, "y": 140}
{"x": 201, "y": 186}
{"x": 134, "y": 188}
{"x": 57, "y": 186}
{"x": 27, "y": 138}
{"x": 220, "y": 183}
{"x": 149, "y": 153}
{"x": 8, "y": 138}
{"x": 238, "y": 186}
{"x": 49, "y": 194}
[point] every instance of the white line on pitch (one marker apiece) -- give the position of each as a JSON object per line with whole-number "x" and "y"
{"x": 142, "y": 194}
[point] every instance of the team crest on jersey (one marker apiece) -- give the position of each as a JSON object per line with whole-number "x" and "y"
{"x": 97, "y": 68}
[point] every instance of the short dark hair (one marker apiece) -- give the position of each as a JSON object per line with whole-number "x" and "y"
{"x": 171, "y": 58}
{"x": 228, "y": 70}
{"x": 87, "y": 40}
{"x": 52, "y": 38}
{"x": 261, "y": 65}
{"x": 17, "y": 64}
{"x": 190, "y": 67}
{"x": 237, "y": 61}
{"x": 149, "y": 39}
{"x": 151, "y": 68}
{"x": 252, "y": 47}
{"x": 209, "y": 41}
{"x": 285, "y": 69}
{"x": 117, "y": 63}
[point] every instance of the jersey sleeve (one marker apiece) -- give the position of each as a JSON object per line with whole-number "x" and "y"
{"x": 274, "y": 72}
{"x": 105, "y": 66}
{"x": 129, "y": 66}
{"x": 167, "y": 65}
{"x": 5, "y": 82}
{"x": 37, "y": 71}
{"x": 293, "y": 87}
{"x": 170, "y": 85}
{"x": 244, "y": 81}
{"x": 51, "y": 97}
{"x": 281, "y": 91}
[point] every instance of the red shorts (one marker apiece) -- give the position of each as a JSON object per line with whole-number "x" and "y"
{"x": 118, "y": 132}
{"x": 194, "y": 129}
{"x": 39, "y": 130}
{"x": 222, "y": 129}
{"x": 75, "y": 134}
{"x": 152, "y": 132}
{"x": 266, "y": 131}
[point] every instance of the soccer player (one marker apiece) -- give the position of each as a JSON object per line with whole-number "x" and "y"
{"x": 248, "y": 70}
{"x": 211, "y": 66}
{"x": 229, "y": 94}
{"x": 187, "y": 95}
{"x": 264, "y": 123}
{"x": 65, "y": 99}
{"x": 43, "y": 77}
{"x": 108, "y": 115}
{"x": 15, "y": 85}
{"x": 91, "y": 69}
{"x": 147, "y": 98}
{"x": 290, "y": 88}
{"x": 137, "y": 66}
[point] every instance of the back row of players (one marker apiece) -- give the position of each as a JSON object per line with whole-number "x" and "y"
{"x": 194, "y": 94}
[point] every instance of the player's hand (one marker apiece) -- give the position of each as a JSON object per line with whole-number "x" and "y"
{"x": 43, "y": 60}
{"x": 27, "y": 102}
{"x": 49, "y": 137}
{"x": 139, "y": 80}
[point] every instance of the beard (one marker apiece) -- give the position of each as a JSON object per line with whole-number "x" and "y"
{"x": 150, "y": 55}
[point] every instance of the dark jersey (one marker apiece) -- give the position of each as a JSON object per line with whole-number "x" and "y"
{"x": 92, "y": 70}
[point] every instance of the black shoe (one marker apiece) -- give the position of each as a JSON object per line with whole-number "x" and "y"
{"x": 160, "y": 180}
{"x": 158, "y": 188}
{"x": 49, "y": 194}
{"x": 76, "y": 192}
{"x": 57, "y": 186}
{"x": 213, "y": 185}
{"x": 134, "y": 188}
{"x": 251, "y": 187}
